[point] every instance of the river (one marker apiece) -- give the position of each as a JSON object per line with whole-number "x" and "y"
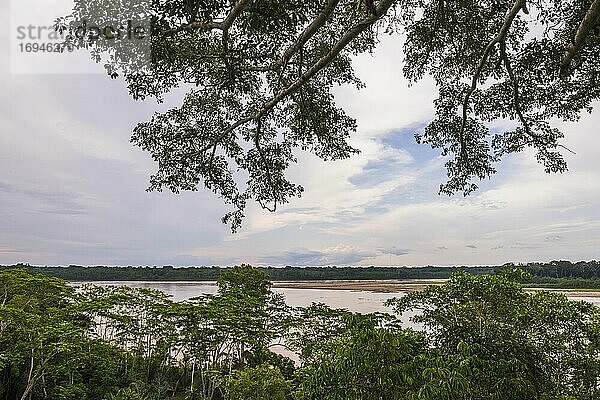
{"x": 353, "y": 300}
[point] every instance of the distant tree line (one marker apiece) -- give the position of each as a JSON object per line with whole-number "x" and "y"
{"x": 583, "y": 274}
{"x": 563, "y": 269}
{"x": 562, "y": 274}
{"x": 169, "y": 273}
{"x": 484, "y": 338}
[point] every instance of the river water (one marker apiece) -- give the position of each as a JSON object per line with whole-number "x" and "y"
{"x": 356, "y": 301}
{"x": 352, "y": 300}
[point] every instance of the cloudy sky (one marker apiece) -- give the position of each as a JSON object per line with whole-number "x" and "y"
{"x": 72, "y": 187}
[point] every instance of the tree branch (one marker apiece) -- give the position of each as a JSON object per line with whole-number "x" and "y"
{"x": 206, "y": 26}
{"x": 517, "y": 98}
{"x": 309, "y": 32}
{"x": 267, "y": 168}
{"x": 319, "y": 65}
{"x": 501, "y": 37}
{"x": 516, "y": 91}
{"x": 324, "y": 61}
{"x": 591, "y": 18}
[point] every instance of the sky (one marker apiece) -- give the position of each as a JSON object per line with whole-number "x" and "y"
{"x": 72, "y": 186}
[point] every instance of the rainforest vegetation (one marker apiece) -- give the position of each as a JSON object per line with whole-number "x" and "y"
{"x": 555, "y": 274}
{"x": 484, "y": 337}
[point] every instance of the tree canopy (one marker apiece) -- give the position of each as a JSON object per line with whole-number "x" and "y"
{"x": 260, "y": 76}
{"x": 484, "y": 338}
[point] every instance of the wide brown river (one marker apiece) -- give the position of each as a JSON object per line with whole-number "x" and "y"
{"x": 353, "y": 300}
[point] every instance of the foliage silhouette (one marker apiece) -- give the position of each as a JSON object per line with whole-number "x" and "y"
{"x": 260, "y": 76}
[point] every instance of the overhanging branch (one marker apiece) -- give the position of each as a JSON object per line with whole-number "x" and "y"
{"x": 500, "y": 38}
{"x": 205, "y": 26}
{"x": 315, "y": 68}
{"x": 592, "y": 17}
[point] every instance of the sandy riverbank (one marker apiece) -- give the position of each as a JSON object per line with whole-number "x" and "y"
{"x": 387, "y": 286}
{"x": 395, "y": 286}
{"x": 570, "y": 292}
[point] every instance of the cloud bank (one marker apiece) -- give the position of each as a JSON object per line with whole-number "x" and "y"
{"x": 72, "y": 188}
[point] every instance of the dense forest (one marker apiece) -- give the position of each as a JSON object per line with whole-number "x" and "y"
{"x": 169, "y": 273}
{"x": 484, "y": 337}
{"x": 563, "y": 274}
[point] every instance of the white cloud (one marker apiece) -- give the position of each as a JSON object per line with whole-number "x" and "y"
{"x": 72, "y": 188}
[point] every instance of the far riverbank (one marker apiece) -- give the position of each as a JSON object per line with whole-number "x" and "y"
{"x": 406, "y": 286}
{"x": 377, "y": 286}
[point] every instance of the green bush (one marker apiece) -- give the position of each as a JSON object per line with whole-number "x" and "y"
{"x": 263, "y": 382}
